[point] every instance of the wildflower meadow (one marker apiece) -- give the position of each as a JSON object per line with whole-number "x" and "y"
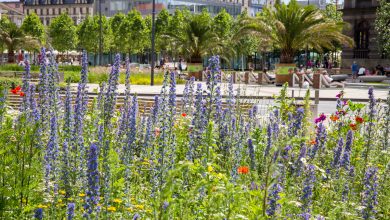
{"x": 200, "y": 157}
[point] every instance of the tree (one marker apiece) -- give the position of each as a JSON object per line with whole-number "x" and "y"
{"x": 33, "y": 27}
{"x": 332, "y": 13}
{"x": 196, "y": 39}
{"x": 13, "y": 38}
{"x": 162, "y": 26}
{"x": 62, "y": 33}
{"x": 222, "y": 23}
{"x": 88, "y": 32}
{"x": 134, "y": 32}
{"x": 292, "y": 27}
{"x": 115, "y": 25}
{"x": 382, "y": 26}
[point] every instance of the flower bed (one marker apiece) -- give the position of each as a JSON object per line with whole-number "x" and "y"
{"x": 199, "y": 160}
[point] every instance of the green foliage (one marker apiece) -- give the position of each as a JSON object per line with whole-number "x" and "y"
{"x": 90, "y": 27}
{"x": 382, "y": 26}
{"x": 332, "y": 13}
{"x": 33, "y": 27}
{"x": 292, "y": 27}
{"x": 222, "y": 24}
{"x": 62, "y": 33}
{"x": 115, "y": 25}
{"x": 134, "y": 33}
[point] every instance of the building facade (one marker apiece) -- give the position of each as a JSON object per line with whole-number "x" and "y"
{"x": 233, "y": 7}
{"x": 361, "y": 14}
{"x": 321, "y": 4}
{"x": 13, "y": 10}
{"x": 49, "y": 9}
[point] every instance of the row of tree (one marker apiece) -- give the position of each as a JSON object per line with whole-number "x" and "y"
{"x": 288, "y": 28}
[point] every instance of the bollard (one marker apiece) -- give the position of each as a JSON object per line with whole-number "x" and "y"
{"x": 317, "y": 96}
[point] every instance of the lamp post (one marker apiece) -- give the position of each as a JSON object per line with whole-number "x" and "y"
{"x": 153, "y": 42}
{"x": 100, "y": 34}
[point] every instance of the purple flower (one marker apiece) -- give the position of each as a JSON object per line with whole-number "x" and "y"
{"x": 269, "y": 140}
{"x": 320, "y": 140}
{"x": 337, "y": 154}
{"x": 38, "y": 213}
{"x": 136, "y": 216}
{"x": 273, "y": 198}
{"x": 165, "y": 205}
{"x": 346, "y": 160}
{"x": 308, "y": 187}
{"x": 92, "y": 198}
{"x": 254, "y": 186}
{"x": 70, "y": 211}
{"x": 320, "y": 119}
{"x": 370, "y": 196}
{"x": 251, "y": 154}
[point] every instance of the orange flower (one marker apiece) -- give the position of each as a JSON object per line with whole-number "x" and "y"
{"x": 359, "y": 119}
{"x": 313, "y": 142}
{"x": 353, "y": 126}
{"x": 243, "y": 170}
{"x": 183, "y": 114}
{"x": 334, "y": 117}
{"x": 21, "y": 93}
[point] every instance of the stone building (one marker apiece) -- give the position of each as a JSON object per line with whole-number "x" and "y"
{"x": 361, "y": 14}
{"x": 49, "y": 9}
{"x": 13, "y": 10}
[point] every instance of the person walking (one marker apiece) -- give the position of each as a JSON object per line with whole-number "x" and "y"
{"x": 180, "y": 64}
{"x": 355, "y": 69}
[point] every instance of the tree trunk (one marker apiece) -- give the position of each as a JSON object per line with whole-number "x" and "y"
{"x": 11, "y": 55}
{"x": 287, "y": 56}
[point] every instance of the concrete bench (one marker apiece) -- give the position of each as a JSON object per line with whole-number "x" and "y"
{"x": 376, "y": 79}
{"x": 339, "y": 77}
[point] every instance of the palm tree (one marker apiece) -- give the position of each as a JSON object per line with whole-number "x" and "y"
{"x": 13, "y": 38}
{"x": 196, "y": 39}
{"x": 292, "y": 27}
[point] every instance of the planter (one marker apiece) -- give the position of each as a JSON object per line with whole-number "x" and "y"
{"x": 195, "y": 70}
{"x": 282, "y": 76}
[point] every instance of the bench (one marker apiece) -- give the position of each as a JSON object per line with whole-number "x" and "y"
{"x": 376, "y": 79}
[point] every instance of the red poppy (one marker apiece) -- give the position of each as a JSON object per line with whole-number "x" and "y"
{"x": 14, "y": 91}
{"x": 183, "y": 114}
{"x": 334, "y": 117}
{"x": 21, "y": 93}
{"x": 18, "y": 88}
{"x": 353, "y": 126}
{"x": 359, "y": 119}
{"x": 243, "y": 170}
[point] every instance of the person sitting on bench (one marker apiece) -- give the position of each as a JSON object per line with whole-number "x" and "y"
{"x": 327, "y": 81}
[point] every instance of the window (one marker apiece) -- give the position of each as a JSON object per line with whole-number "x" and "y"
{"x": 362, "y": 31}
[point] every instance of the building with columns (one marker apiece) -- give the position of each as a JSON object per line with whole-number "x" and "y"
{"x": 13, "y": 10}
{"x": 361, "y": 14}
{"x": 49, "y": 9}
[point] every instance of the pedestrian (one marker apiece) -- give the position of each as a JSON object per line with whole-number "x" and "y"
{"x": 180, "y": 64}
{"x": 355, "y": 69}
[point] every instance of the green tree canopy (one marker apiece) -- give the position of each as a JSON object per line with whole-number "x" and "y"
{"x": 115, "y": 25}
{"x": 292, "y": 27}
{"x": 33, "y": 27}
{"x": 382, "y": 26}
{"x": 88, "y": 34}
{"x": 134, "y": 32}
{"x": 222, "y": 23}
{"x": 62, "y": 33}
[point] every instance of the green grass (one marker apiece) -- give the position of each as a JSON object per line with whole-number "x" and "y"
{"x": 283, "y": 70}
{"x": 194, "y": 68}
{"x": 72, "y": 73}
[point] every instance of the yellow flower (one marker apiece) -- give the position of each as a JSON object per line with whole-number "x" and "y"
{"x": 129, "y": 209}
{"x": 220, "y": 175}
{"x": 145, "y": 162}
{"x": 132, "y": 199}
{"x": 111, "y": 209}
{"x": 140, "y": 207}
{"x": 81, "y": 194}
{"x": 210, "y": 169}
{"x": 42, "y": 206}
{"x": 70, "y": 199}
{"x": 148, "y": 210}
{"x": 117, "y": 201}
{"x": 60, "y": 200}
{"x": 380, "y": 165}
{"x": 62, "y": 192}
{"x": 357, "y": 158}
